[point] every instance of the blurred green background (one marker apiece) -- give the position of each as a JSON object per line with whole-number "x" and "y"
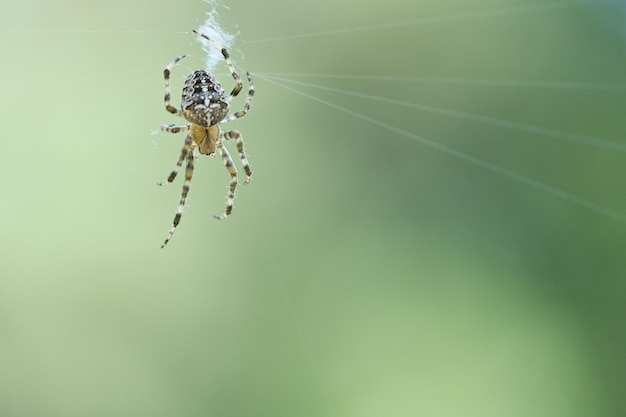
{"x": 363, "y": 272}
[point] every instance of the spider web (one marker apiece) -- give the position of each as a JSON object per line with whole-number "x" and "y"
{"x": 400, "y": 171}
{"x": 214, "y": 30}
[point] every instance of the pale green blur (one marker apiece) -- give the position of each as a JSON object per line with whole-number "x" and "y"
{"x": 363, "y": 273}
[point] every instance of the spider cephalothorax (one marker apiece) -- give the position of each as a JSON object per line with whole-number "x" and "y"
{"x": 205, "y": 106}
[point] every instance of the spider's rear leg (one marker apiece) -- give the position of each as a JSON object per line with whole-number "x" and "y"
{"x": 229, "y": 62}
{"x": 183, "y": 197}
{"x": 230, "y": 166}
{"x": 234, "y": 134}
{"x": 168, "y": 90}
{"x": 246, "y": 105}
{"x": 183, "y": 154}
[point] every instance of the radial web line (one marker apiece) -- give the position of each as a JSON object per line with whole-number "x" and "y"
{"x": 482, "y": 82}
{"x": 499, "y": 12}
{"x": 548, "y": 189}
{"x": 523, "y": 127}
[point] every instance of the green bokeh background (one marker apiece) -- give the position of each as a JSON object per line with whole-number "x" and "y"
{"x": 363, "y": 273}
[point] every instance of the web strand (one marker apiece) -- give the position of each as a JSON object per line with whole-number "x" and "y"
{"x": 523, "y": 127}
{"x": 478, "y": 82}
{"x": 548, "y": 189}
{"x": 481, "y": 14}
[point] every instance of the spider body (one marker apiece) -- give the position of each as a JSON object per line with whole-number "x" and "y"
{"x": 205, "y": 105}
{"x": 204, "y": 101}
{"x": 205, "y": 138}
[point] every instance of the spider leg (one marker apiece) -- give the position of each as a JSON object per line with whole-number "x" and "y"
{"x": 231, "y": 67}
{"x": 246, "y": 105}
{"x": 183, "y": 154}
{"x": 230, "y": 166}
{"x": 171, "y": 128}
{"x": 183, "y": 197}
{"x": 234, "y": 134}
{"x": 168, "y": 89}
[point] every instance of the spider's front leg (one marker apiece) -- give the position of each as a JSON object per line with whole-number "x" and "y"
{"x": 230, "y": 166}
{"x": 183, "y": 197}
{"x": 183, "y": 154}
{"x": 234, "y": 134}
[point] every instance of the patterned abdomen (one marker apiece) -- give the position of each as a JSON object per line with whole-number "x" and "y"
{"x": 204, "y": 101}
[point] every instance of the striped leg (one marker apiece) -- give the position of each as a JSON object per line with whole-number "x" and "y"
{"x": 174, "y": 128}
{"x": 234, "y": 134}
{"x": 230, "y": 166}
{"x": 231, "y": 67}
{"x": 246, "y": 105}
{"x": 183, "y": 154}
{"x": 168, "y": 89}
{"x": 183, "y": 197}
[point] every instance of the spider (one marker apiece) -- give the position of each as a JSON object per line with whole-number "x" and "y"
{"x": 205, "y": 106}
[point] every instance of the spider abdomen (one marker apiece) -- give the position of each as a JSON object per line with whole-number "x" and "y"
{"x": 204, "y": 101}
